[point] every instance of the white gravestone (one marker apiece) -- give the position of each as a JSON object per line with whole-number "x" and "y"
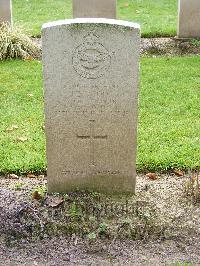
{"x": 6, "y": 11}
{"x": 91, "y": 72}
{"x": 189, "y": 19}
{"x": 94, "y": 9}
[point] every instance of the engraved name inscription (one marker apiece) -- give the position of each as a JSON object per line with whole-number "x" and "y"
{"x": 89, "y": 100}
{"x": 96, "y": 172}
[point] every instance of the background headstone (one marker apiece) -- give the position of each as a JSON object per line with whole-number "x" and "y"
{"x": 91, "y": 69}
{"x": 189, "y": 19}
{"x": 6, "y": 11}
{"x": 94, "y": 9}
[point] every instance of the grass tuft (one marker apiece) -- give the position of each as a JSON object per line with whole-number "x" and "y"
{"x": 15, "y": 44}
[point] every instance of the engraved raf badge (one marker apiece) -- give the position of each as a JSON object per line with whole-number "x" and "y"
{"x": 91, "y": 59}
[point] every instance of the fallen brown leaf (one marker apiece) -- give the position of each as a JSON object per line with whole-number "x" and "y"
{"x": 31, "y": 176}
{"x": 126, "y": 4}
{"x": 56, "y": 202}
{"x": 41, "y": 176}
{"x": 151, "y": 176}
{"x": 178, "y": 172}
{"x": 28, "y": 58}
{"x": 36, "y": 195}
{"x": 22, "y": 139}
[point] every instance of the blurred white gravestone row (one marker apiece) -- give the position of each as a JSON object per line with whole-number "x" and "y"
{"x": 94, "y": 9}
{"x": 189, "y": 19}
{"x": 6, "y": 11}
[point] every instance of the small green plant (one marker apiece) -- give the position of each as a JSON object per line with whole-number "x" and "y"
{"x": 102, "y": 228}
{"x": 15, "y": 44}
{"x": 92, "y": 219}
{"x": 65, "y": 196}
{"x": 74, "y": 210}
{"x": 195, "y": 42}
{"x": 42, "y": 190}
{"x": 39, "y": 192}
{"x": 92, "y": 236}
{"x": 18, "y": 185}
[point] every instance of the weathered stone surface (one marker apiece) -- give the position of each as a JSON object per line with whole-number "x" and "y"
{"x": 6, "y": 11}
{"x": 94, "y": 9}
{"x": 91, "y": 69}
{"x": 189, "y": 19}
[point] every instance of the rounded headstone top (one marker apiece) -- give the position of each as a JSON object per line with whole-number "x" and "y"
{"x": 113, "y": 22}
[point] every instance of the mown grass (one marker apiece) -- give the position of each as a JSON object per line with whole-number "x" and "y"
{"x": 168, "y": 135}
{"x": 19, "y": 81}
{"x": 169, "y": 114}
{"x": 32, "y": 14}
{"x": 157, "y": 17}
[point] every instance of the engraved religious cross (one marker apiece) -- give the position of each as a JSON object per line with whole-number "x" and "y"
{"x": 92, "y": 137}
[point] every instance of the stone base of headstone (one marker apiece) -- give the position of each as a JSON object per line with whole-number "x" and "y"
{"x": 91, "y": 76}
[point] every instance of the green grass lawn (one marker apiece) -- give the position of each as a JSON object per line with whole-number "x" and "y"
{"x": 169, "y": 133}
{"x": 157, "y": 17}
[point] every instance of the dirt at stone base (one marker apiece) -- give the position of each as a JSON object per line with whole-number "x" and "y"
{"x": 163, "y": 46}
{"x": 61, "y": 251}
{"x": 169, "y": 47}
{"x": 175, "y": 200}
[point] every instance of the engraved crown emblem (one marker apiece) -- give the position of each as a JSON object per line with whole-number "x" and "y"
{"x": 91, "y": 38}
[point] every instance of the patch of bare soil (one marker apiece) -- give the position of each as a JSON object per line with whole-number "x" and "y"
{"x": 157, "y": 226}
{"x": 163, "y": 46}
{"x": 169, "y": 47}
